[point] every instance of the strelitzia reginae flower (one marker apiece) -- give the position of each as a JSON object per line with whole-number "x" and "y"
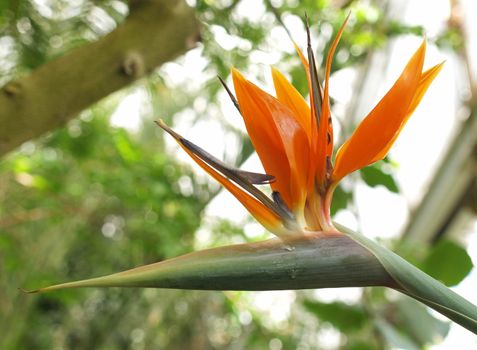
{"x": 294, "y": 141}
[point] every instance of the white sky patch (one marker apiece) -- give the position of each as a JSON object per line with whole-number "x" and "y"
{"x": 345, "y": 295}
{"x": 100, "y": 20}
{"x": 43, "y": 7}
{"x": 252, "y": 10}
{"x": 469, "y": 12}
{"x": 203, "y": 236}
{"x": 328, "y": 337}
{"x": 253, "y": 230}
{"x": 385, "y": 214}
{"x": 296, "y": 28}
{"x": 347, "y": 218}
{"x": 226, "y": 41}
{"x": 188, "y": 71}
{"x": 341, "y": 87}
{"x": 130, "y": 110}
{"x": 434, "y": 23}
{"x": 277, "y": 304}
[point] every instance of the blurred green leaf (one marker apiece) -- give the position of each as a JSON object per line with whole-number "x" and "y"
{"x": 451, "y": 38}
{"x": 347, "y": 318}
{"x": 125, "y": 147}
{"x": 340, "y": 199}
{"x": 374, "y": 176}
{"x": 447, "y": 262}
{"x": 395, "y": 28}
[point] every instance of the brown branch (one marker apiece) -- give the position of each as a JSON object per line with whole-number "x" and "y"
{"x": 155, "y": 32}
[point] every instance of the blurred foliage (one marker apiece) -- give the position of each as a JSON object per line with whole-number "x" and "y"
{"x": 457, "y": 264}
{"x": 376, "y": 174}
{"x": 91, "y": 199}
{"x": 346, "y": 318}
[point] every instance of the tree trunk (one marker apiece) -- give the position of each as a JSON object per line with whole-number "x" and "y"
{"x": 155, "y": 32}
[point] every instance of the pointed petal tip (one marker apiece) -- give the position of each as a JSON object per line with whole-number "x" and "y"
{"x": 31, "y": 291}
{"x": 276, "y": 74}
{"x": 236, "y": 74}
{"x": 346, "y": 18}
{"x": 161, "y": 123}
{"x": 307, "y": 26}
{"x": 423, "y": 45}
{"x": 435, "y": 69}
{"x": 235, "y": 71}
{"x": 39, "y": 290}
{"x": 167, "y": 129}
{"x": 237, "y": 77}
{"x": 440, "y": 65}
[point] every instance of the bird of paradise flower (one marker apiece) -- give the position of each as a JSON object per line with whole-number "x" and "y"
{"x": 294, "y": 142}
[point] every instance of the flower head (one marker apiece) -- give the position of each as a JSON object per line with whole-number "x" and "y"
{"x": 294, "y": 142}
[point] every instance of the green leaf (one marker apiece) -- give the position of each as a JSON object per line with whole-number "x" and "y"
{"x": 344, "y": 317}
{"x": 374, "y": 176}
{"x": 447, "y": 262}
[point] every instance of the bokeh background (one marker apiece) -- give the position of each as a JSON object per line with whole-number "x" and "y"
{"x": 108, "y": 191}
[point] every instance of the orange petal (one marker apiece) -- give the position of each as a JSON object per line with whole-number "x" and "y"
{"x": 263, "y": 134}
{"x": 258, "y": 210}
{"x": 426, "y": 79}
{"x": 290, "y": 97}
{"x": 278, "y": 138}
{"x": 324, "y": 142}
{"x": 374, "y": 136}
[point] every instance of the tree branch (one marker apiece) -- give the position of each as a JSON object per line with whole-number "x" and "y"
{"x": 155, "y": 32}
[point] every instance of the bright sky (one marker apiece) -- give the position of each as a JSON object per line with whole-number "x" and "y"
{"x": 417, "y": 151}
